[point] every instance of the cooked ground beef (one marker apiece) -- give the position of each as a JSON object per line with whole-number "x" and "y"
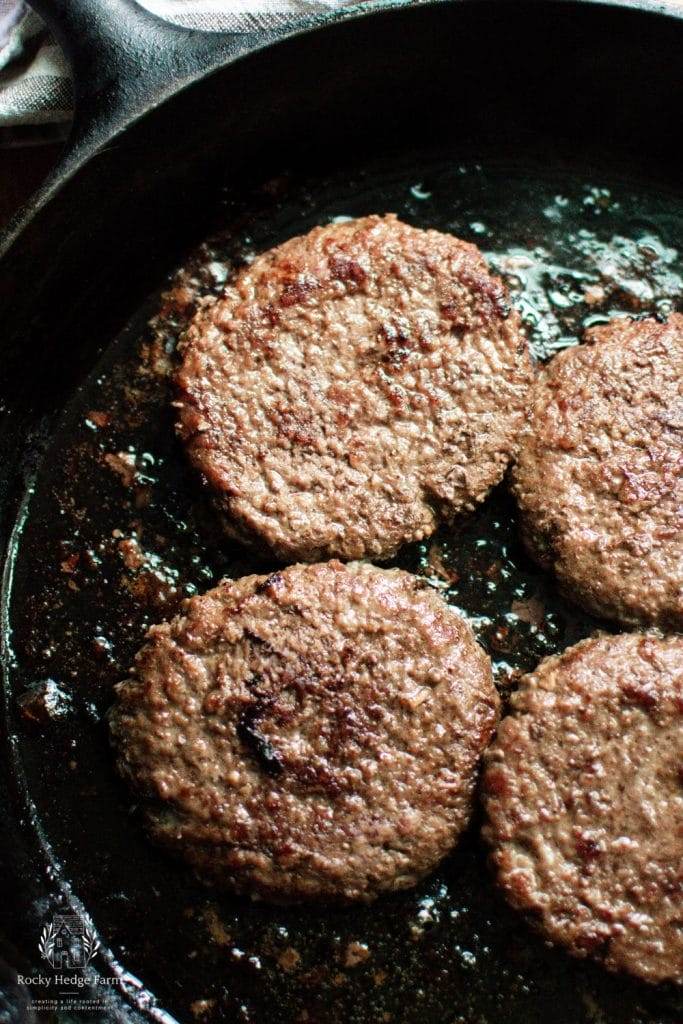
{"x": 352, "y": 388}
{"x": 313, "y": 734}
{"x": 583, "y": 788}
{"x": 599, "y": 479}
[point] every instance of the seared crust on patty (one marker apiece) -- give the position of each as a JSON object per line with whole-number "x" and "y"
{"x": 583, "y": 788}
{"x": 353, "y": 387}
{"x": 599, "y": 477}
{"x": 313, "y": 734}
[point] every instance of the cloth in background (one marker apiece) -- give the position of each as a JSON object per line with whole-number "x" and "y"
{"x": 35, "y": 84}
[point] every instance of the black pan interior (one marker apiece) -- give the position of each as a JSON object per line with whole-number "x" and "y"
{"x": 114, "y": 531}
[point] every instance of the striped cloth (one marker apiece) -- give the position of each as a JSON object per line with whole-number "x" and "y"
{"x": 35, "y": 86}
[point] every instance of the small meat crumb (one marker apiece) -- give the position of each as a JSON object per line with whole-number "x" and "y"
{"x": 594, "y": 294}
{"x": 289, "y": 959}
{"x": 44, "y": 702}
{"x": 216, "y": 928}
{"x": 531, "y": 610}
{"x": 69, "y": 564}
{"x": 202, "y": 1007}
{"x": 123, "y": 464}
{"x": 100, "y": 419}
{"x": 131, "y": 553}
{"x": 356, "y": 953}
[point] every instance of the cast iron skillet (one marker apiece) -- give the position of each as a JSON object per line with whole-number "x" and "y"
{"x": 545, "y": 131}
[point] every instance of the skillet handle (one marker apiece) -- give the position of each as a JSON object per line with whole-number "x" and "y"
{"x": 125, "y": 59}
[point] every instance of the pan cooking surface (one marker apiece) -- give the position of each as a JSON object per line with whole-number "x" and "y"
{"x": 116, "y": 532}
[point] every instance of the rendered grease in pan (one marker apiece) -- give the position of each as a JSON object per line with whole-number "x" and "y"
{"x": 117, "y": 532}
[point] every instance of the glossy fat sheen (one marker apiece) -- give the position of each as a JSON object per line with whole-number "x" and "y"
{"x": 352, "y": 387}
{"x": 599, "y": 478}
{"x": 369, "y": 704}
{"x": 584, "y": 793}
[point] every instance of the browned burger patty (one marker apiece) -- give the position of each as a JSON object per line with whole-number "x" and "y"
{"x": 599, "y": 478}
{"x": 314, "y": 734}
{"x": 584, "y": 793}
{"x": 352, "y": 387}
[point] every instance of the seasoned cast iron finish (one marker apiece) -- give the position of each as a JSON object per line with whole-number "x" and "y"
{"x": 541, "y": 131}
